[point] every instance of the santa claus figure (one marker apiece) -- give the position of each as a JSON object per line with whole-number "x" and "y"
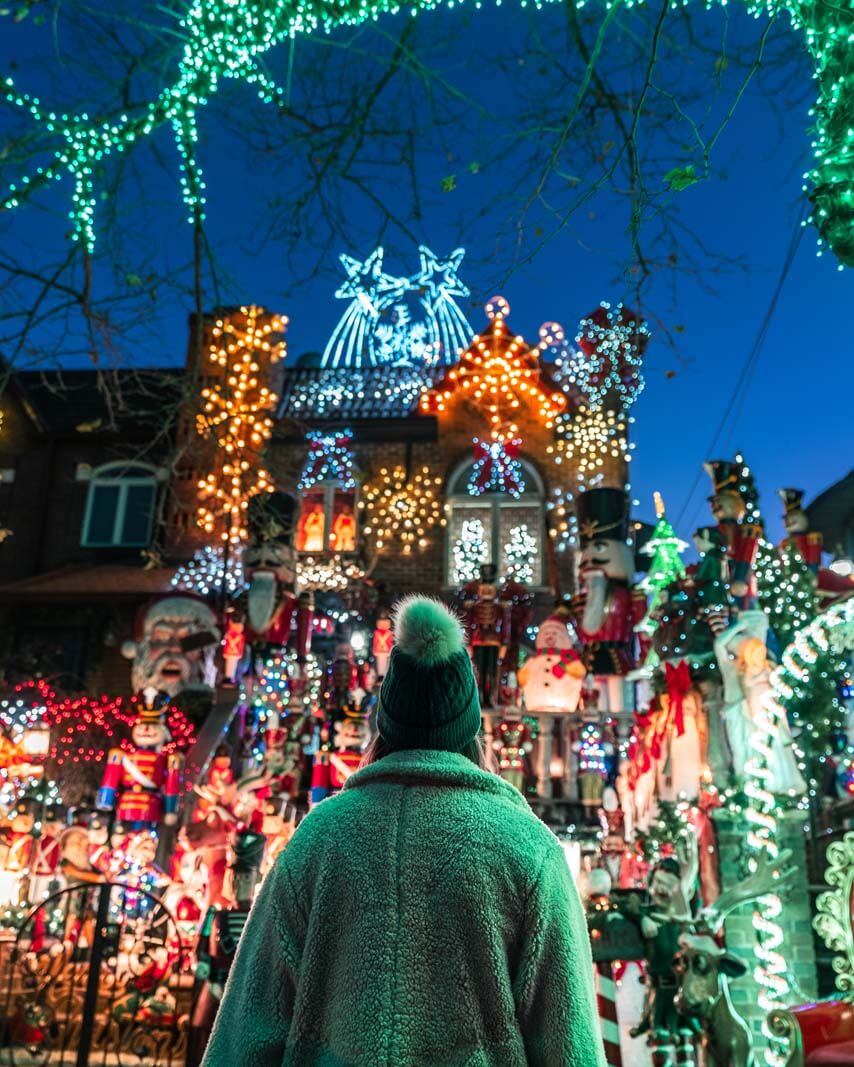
{"x": 233, "y": 645}
{"x": 218, "y": 940}
{"x": 383, "y": 643}
{"x": 799, "y": 538}
{"x": 276, "y": 613}
{"x": 143, "y": 785}
{"x": 176, "y": 637}
{"x": 606, "y": 608}
{"x": 729, "y": 507}
{"x": 340, "y": 755}
{"x": 552, "y": 679}
{"x": 487, "y": 623}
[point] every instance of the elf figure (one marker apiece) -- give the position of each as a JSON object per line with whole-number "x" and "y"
{"x": 218, "y": 941}
{"x": 552, "y": 679}
{"x": 341, "y": 756}
{"x": 144, "y": 784}
{"x": 274, "y": 608}
{"x": 740, "y": 538}
{"x": 487, "y": 624}
{"x": 383, "y": 643}
{"x": 607, "y": 609}
{"x": 806, "y": 542}
{"x": 513, "y": 744}
{"x": 233, "y": 645}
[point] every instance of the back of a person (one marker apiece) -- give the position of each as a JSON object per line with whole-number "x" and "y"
{"x": 421, "y": 917}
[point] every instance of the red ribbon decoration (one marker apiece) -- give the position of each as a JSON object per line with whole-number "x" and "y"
{"x": 565, "y": 656}
{"x": 678, "y": 681}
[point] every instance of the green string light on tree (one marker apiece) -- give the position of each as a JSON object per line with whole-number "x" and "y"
{"x": 227, "y": 39}
{"x": 665, "y": 567}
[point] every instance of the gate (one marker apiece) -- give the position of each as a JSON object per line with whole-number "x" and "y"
{"x": 93, "y": 977}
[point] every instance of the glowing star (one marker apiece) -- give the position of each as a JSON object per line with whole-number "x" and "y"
{"x": 368, "y": 284}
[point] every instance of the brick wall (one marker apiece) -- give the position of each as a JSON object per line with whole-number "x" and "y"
{"x": 796, "y": 919}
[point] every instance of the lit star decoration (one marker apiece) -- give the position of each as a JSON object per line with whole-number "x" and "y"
{"x": 236, "y": 418}
{"x": 591, "y": 439}
{"x": 330, "y": 458}
{"x": 399, "y": 510}
{"x": 497, "y": 468}
{"x": 227, "y": 40}
{"x": 377, "y": 327}
{"x": 204, "y": 573}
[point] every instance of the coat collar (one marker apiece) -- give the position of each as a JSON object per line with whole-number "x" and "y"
{"x": 421, "y": 765}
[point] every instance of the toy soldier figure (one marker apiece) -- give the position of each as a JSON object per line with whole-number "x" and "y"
{"x": 218, "y": 940}
{"x": 383, "y": 643}
{"x": 274, "y": 607}
{"x": 806, "y": 542}
{"x": 145, "y": 782}
{"x": 233, "y": 645}
{"x": 340, "y": 757}
{"x": 487, "y": 623}
{"x": 740, "y": 538}
{"x": 606, "y": 608}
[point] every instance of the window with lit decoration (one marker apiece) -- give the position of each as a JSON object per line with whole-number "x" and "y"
{"x": 495, "y": 526}
{"x": 120, "y": 506}
{"x": 327, "y": 521}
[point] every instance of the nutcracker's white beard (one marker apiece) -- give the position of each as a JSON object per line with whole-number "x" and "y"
{"x": 261, "y": 600}
{"x": 594, "y": 606}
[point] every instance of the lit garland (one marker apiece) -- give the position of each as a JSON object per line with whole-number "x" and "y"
{"x": 400, "y": 510}
{"x": 330, "y": 458}
{"x": 496, "y": 467}
{"x": 236, "y": 416}
{"x": 499, "y": 374}
{"x": 469, "y": 551}
{"x": 787, "y": 591}
{"x": 204, "y": 573}
{"x": 563, "y": 527}
{"x": 520, "y": 553}
{"x": 335, "y": 390}
{"x": 377, "y": 328}
{"x": 330, "y": 573}
{"x": 227, "y": 40}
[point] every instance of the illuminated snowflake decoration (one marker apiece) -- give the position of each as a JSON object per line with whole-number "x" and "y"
{"x": 399, "y": 510}
{"x": 393, "y": 321}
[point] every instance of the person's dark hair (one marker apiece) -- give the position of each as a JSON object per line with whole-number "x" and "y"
{"x": 379, "y": 748}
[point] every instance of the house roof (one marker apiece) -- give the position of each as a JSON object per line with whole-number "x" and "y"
{"x": 111, "y": 579}
{"x": 350, "y": 394}
{"x": 832, "y": 513}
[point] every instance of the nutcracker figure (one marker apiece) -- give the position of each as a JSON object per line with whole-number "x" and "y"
{"x": 513, "y": 745}
{"x": 34, "y": 848}
{"x": 729, "y": 506}
{"x": 518, "y": 603}
{"x": 218, "y": 941}
{"x": 341, "y": 756}
{"x": 143, "y": 785}
{"x": 383, "y": 643}
{"x": 607, "y": 609}
{"x": 233, "y": 645}
{"x": 592, "y": 751}
{"x": 487, "y": 623}
{"x": 274, "y": 608}
{"x": 808, "y": 543}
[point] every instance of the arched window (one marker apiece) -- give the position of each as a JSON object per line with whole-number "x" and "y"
{"x": 120, "y": 506}
{"x": 495, "y": 527}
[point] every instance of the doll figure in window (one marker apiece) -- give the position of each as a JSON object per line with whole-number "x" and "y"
{"x": 344, "y": 530}
{"x": 311, "y": 529}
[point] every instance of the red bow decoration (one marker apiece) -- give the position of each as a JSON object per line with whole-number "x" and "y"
{"x": 565, "y": 656}
{"x": 678, "y": 681}
{"x": 497, "y": 467}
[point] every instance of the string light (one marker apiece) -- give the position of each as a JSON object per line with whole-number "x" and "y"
{"x": 400, "y": 510}
{"x": 563, "y": 528}
{"x": 592, "y": 438}
{"x": 236, "y": 417}
{"x": 330, "y": 458}
{"x": 333, "y": 573}
{"x": 334, "y": 391}
{"x": 204, "y": 573}
{"x": 520, "y": 554}
{"x": 469, "y": 551}
{"x": 226, "y": 40}
{"x": 606, "y": 369}
{"x": 496, "y": 467}
{"x": 665, "y": 567}
{"x": 377, "y": 328}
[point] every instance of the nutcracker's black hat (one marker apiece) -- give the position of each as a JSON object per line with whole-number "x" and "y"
{"x": 793, "y": 499}
{"x": 248, "y": 851}
{"x": 602, "y": 513}
{"x": 724, "y": 474}
{"x": 270, "y": 516}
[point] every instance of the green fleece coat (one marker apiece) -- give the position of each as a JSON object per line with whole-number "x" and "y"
{"x": 423, "y": 917}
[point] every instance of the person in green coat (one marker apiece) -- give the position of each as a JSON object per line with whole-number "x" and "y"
{"x": 423, "y": 916}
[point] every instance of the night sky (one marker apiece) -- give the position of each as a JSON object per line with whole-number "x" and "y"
{"x": 792, "y": 421}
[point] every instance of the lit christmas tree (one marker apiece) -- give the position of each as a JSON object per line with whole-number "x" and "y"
{"x": 520, "y": 552}
{"x": 787, "y": 592}
{"x": 469, "y": 551}
{"x": 666, "y": 566}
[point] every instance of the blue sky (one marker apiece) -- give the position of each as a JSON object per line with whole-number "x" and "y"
{"x": 793, "y": 422}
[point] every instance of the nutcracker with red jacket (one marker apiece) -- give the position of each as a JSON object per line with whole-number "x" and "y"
{"x": 513, "y": 744}
{"x": 383, "y": 643}
{"x": 807, "y": 543}
{"x": 233, "y": 645}
{"x": 486, "y": 619}
{"x": 520, "y": 609}
{"x": 607, "y": 608}
{"x": 729, "y": 503}
{"x": 343, "y": 677}
{"x": 340, "y": 755}
{"x": 34, "y": 848}
{"x": 276, "y": 612}
{"x": 218, "y": 940}
{"x": 143, "y": 785}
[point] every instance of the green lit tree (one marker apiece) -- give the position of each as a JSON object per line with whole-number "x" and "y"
{"x": 786, "y": 588}
{"x": 666, "y": 566}
{"x": 520, "y": 553}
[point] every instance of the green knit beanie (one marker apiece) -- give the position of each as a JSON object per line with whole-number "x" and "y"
{"x": 429, "y": 696}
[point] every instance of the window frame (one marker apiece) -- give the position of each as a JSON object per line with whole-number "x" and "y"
{"x": 496, "y": 503}
{"x": 330, "y": 486}
{"x": 109, "y": 475}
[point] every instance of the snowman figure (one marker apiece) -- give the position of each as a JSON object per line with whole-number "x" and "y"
{"x": 552, "y": 679}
